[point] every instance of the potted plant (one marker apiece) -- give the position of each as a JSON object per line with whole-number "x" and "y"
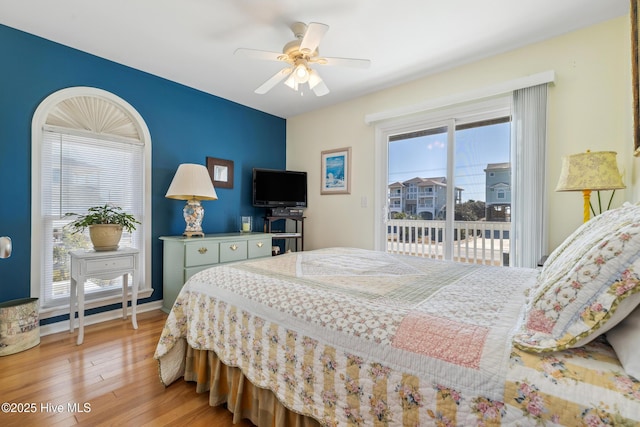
{"x": 105, "y": 224}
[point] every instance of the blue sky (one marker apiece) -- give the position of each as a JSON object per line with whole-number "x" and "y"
{"x": 426, "y": 157}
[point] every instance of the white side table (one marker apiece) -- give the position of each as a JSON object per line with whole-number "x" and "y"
{"x": 102, "y": 265}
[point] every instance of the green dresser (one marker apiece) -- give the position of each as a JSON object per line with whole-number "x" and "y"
{"x": 185, "y": 256}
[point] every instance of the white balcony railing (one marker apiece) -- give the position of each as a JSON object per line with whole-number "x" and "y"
{"x": 480, "y": 242}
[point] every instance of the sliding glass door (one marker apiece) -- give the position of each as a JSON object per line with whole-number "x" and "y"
{"x": 448, "y": 192}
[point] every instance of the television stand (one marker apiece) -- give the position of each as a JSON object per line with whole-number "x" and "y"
{"x": 284, "y": 212}
{"x": 282, "y": 233}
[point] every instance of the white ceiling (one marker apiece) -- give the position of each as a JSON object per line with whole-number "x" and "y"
{"x": 193, "y": 41}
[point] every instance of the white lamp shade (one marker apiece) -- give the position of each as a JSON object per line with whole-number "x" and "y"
{"x": 191, "y": 182}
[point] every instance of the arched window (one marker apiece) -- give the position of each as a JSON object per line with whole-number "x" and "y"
{"x": 89, "y": 147}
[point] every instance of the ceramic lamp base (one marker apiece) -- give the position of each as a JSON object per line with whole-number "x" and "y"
{"x": 193, "y": 234}
{"x": 193, "y": 214}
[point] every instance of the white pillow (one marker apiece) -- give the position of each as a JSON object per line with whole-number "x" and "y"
{"x": 625, "y": 340}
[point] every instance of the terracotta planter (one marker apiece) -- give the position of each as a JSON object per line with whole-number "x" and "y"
{"x": 105, "y": 237}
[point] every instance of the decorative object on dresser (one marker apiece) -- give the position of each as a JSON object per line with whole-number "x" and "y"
{"x": 246, "y": 224}
{"x": 590, "y": 171}
{"x": 193, "y": 184}
{"x": 105, "y": 224}
{"x": 183, "y": 257}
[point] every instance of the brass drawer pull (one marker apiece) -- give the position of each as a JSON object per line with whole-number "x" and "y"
{"x": 233, "y": 247}
{"x": 203, "y": 250}
{"x": 259, "y": 244}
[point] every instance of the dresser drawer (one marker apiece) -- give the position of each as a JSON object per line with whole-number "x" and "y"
{"x": 259, "y": 248}
{"x": 109, "y": 264}
{"x": 182, "y": 257}
{"x": 233, "y": 251}
{"x": 200, "y": 253}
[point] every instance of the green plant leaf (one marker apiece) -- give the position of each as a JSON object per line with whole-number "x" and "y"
{"x": 107, "y": 214}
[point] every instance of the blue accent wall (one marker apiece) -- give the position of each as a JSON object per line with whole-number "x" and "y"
{"x": 186, "y": 126}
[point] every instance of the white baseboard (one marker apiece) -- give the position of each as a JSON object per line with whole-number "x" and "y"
{"x": 53, "y": 328}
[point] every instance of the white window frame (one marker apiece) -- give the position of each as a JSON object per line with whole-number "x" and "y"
{"x": 499, "y": 106}
{"x": 37, "y": 126}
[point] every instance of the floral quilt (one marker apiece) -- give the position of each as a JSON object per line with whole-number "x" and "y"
{"x": 355, "y": 337}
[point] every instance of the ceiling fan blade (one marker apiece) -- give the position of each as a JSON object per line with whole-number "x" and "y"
{"x": 313, "y": 36}
{"x": 320, "y": 89}
{"x": 343, "y": 62}
{"x": 316, "y": 84}
{"x": 277, "y": 78}
{"x": 261, "y": 54}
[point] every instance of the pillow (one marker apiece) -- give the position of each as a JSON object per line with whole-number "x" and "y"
{"x": 625, "y": 340}
{"x": 591, "y": 284}
{"x": 584, "y": 237}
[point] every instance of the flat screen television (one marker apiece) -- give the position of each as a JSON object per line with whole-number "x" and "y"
{"x": 279, "y": 188}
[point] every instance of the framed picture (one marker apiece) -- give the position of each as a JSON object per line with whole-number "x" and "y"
{"x": 336, "y": 171}
{"x": 221, "y": 172}
{"x": 634, "y": 76}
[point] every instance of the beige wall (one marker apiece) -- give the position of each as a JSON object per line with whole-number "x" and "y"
{"x": 589, "y": 108}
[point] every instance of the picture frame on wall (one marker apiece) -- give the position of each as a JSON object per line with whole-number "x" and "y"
{"x": 221, "y": 172}
{"x": 633, "y": 13}
{"x": 335, "y": 170}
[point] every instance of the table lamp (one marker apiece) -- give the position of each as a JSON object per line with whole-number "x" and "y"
{"x": 587, "y": 172}
{"x": 192, "y": 183}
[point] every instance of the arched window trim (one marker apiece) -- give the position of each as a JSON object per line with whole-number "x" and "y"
{"x": 39, "y": 122}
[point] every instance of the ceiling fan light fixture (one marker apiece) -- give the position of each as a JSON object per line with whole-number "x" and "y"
{"x": 291, "y": 82}
{"x": 301, "y": 72}
{"x": 298, "y": 54}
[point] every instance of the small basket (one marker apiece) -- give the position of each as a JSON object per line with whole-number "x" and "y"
{"x": 19, "y": 325}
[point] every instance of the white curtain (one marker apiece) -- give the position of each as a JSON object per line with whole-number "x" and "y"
{"x": 528, "y": 151}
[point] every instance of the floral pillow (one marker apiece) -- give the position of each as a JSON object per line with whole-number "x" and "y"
{"x": 589, "y": 287}
{"x": 585, "y": 237}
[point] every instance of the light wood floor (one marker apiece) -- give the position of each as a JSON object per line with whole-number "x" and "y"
{"x": 113, "y": 372}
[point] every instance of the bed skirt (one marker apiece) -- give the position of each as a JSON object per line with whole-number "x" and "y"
{"x": 244, "y": 400}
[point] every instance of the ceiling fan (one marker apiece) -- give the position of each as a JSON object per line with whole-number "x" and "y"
{"x": 300, "y": 54}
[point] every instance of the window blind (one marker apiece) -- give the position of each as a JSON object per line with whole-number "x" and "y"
{"x": 79, "y": 171}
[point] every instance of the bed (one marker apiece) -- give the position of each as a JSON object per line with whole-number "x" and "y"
{"x": 345, "y": 336}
